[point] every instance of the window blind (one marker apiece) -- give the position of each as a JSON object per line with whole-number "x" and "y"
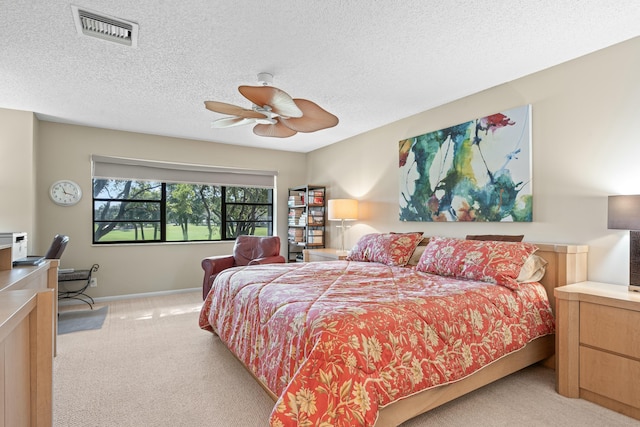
{"x": 150, "y": 170}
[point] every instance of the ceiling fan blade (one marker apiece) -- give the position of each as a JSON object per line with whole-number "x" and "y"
{"x": 234, "y": 110}
{"x": 279, "y": 101}
{"x": 276, "y": 130}
{"x": 314, "y": 118}
{"x": 228, "y": 122}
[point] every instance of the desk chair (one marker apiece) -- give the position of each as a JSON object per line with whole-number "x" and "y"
{"x": 57, "y": 247}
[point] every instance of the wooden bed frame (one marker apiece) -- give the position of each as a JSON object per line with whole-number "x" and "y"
{"x": 567, "y": 264}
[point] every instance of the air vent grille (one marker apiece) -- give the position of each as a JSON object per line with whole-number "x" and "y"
{"x": 105, "y": 27}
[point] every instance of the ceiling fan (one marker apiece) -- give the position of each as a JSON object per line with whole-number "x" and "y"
{"x": 274, "y": 112}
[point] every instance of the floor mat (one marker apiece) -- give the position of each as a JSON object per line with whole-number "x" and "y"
{"x": 81, "y": 320}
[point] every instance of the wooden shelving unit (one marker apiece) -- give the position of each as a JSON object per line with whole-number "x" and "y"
{"x": 307, "y": 216}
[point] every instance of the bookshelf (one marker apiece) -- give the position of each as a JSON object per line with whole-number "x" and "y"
{"x": 306, "y": 224}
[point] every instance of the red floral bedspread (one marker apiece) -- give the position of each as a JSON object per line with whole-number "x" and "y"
{"x": 336, "y": 341}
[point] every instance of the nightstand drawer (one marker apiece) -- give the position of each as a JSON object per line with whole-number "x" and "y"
{"x": 325, "y": 254}
{"x": 610, "y": 328}
{"x": 609, "y": 375}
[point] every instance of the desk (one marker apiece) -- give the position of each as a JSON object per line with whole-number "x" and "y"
{"x": 26, "y": 354}
{"x": 44, "y": 276}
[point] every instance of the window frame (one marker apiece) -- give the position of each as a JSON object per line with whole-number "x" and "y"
{"x": 163, "y": 213}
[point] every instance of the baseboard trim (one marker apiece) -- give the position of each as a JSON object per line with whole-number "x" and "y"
{"x": 131, "y": 296}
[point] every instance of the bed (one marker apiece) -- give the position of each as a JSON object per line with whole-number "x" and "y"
{"x": 372, "y": 341}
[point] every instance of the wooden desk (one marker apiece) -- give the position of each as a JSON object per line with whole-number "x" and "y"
{"x": 40, "y": 277}
{"x": 26, "y": 358}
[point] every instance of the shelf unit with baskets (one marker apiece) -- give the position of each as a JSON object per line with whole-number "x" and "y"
{"x": 307, "y": 215}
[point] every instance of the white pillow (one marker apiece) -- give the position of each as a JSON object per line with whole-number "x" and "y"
{"x": 533, "y": 269}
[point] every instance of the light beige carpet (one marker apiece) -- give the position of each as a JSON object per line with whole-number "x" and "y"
{"x": 150, "y": 365}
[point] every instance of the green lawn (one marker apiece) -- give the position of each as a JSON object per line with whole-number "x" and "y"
{"x": 174, "y": 234}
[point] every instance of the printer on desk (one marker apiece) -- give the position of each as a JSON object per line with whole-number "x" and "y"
{"x": 18, "y": 242}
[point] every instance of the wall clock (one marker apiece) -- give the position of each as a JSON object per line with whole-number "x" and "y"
{"x": 65, "y": 192}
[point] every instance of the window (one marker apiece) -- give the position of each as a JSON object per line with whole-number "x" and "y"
{"x": 131, "y": 207}
{"x": 143, "y": 211}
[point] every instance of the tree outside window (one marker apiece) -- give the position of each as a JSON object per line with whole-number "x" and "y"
{"x": 146, "y": 211}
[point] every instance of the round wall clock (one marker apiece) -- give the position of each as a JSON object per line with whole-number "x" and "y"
{"x": 65, "y": 192}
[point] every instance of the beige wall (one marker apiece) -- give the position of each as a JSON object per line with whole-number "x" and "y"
{"x": 17, "y": 173}
{"x": 64, "y": 151}
{"x": 585, "y": 147}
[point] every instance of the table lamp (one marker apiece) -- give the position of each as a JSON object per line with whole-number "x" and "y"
{"x": 342, "y": 210}
{"x": 624, "y": 214}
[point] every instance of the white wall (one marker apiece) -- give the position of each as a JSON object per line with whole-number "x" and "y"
{"x": 17, "y": 173}
{"x": 586, "y": 146}
{"x": 64, "y": 151}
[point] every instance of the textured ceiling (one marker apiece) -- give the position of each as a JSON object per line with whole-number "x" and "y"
{"x": 368, "y": 62}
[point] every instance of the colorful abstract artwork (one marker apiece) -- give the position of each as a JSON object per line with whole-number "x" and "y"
{"x": 479, "y": 170}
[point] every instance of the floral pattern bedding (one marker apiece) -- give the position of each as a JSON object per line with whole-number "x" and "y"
{"x": 338, "y": 340}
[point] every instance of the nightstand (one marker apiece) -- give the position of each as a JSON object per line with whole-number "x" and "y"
{"x": 326, "y": 254}
{"x": 598, "y": 345}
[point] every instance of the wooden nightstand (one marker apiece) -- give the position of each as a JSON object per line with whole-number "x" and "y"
{"x": 598, "y": 345}
{"x": 326, "y": 254}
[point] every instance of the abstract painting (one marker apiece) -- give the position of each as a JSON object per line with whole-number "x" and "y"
{"x": 479, "y": 171}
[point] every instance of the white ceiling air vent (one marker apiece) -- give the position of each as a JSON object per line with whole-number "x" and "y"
{"x": 105, "y": 27}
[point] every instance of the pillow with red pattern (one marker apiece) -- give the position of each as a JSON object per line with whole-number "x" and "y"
{"x": 498, "y": 237}
{"x": 487, "y": 261}
{"x": 391, "y": 249}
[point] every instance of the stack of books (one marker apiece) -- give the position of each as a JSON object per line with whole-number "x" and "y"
{"x": 315, "y": 237}
{"x": 295, "y": 215}
{"x": 296, "y": 235}
{"x": 296, "y": 200}
{"x": 316, "y": 197}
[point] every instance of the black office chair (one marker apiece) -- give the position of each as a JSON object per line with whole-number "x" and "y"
{"x": 57, "y": 247}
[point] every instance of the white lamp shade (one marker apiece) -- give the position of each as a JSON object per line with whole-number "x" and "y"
{"x": 624, "y": 212}
{"x": 342, "y": 209}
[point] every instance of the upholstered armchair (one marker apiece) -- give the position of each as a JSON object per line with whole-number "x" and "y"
{"x": 248, "y": 250}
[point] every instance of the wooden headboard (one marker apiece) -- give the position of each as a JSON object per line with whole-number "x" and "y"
{"x": 567, "y": 265}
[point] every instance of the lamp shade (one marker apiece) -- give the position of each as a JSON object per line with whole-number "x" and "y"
{"x": 342, "y": 209}
{"x": 624, "y": 212}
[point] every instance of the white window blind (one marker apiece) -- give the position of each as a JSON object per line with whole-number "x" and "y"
{"x": 150, "y": 170}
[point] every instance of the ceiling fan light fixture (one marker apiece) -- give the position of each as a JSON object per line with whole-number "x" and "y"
{"x": 227, "y": 122}
{"x": 274, "y": 112}
{"x": 265, "y": 79}
{"x": 266, "y": 121}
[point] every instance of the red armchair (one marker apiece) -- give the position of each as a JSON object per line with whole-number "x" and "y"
{"x": 248, "y": 250}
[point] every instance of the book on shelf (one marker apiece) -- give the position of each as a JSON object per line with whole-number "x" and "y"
{"x": 296, "y": 200}
{"x": 315, "y": 240}
{"x": 296, "y": 235}
{"x": 316, "y": 197}
{"x": 316, "y": 220}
